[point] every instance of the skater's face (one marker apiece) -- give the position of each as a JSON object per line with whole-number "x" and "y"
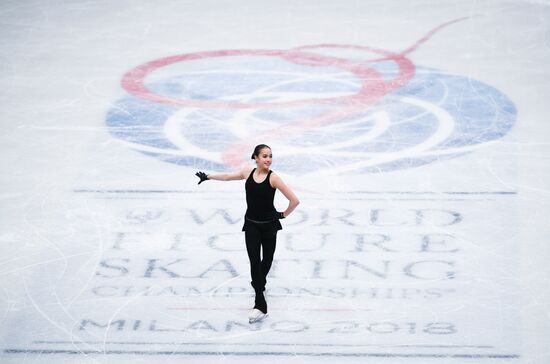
{"x": 263, "y": 159}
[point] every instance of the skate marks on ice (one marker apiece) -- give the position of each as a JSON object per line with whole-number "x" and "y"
{"x": 410, "y": 275}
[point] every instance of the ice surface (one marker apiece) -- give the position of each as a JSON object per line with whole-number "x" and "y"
{"x": 414, "y": 134}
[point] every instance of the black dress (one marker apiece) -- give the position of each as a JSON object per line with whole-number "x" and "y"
{"x": 260, "y": 209}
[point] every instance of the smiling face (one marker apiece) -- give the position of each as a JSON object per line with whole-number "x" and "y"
{"x": 263, "y": 159}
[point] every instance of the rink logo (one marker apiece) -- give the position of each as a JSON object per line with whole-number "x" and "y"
{"x": 323, "y": 108}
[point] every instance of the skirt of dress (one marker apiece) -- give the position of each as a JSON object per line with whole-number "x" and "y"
{"x": 272, "y": 225}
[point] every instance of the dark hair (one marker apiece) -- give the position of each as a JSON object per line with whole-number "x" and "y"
{"x": 257, "y": 150}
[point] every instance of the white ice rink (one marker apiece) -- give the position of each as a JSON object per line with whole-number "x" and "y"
{"x": 415, "y": 134}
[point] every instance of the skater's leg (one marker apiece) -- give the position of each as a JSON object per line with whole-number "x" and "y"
{"x": 253, "y": 244}
{"x": 269, "y": 242}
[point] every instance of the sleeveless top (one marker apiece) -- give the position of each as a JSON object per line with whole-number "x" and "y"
{"x": 259, "y": 201}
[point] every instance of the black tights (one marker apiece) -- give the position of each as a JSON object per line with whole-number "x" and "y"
{"x": 256, "y": 236}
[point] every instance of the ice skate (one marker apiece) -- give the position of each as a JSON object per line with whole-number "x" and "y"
{"x": 256, "y": 315}
{"x": 259, "y": 312}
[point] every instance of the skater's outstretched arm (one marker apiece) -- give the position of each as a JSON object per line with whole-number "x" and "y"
{"x": 231, "y": 176}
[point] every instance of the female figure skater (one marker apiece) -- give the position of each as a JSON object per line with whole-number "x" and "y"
{"x": 261, "y": 221}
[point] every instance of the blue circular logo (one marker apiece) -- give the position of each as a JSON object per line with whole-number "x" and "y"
{"x": 322, "y": 109}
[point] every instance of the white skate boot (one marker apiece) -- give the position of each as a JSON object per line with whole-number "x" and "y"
{"x": 256, "y": 315}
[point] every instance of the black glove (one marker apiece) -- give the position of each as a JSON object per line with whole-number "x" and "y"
{"x": 279, "y": 215}
{"x": 202, "y": 176}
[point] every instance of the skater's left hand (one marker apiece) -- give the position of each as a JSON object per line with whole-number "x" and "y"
{"x": 279, "y": 215}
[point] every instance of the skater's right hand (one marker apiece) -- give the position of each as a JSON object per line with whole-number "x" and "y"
{"x": 202, "y": 176}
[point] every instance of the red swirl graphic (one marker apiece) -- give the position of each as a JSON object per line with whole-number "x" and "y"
{"x": 373, "y": 87}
